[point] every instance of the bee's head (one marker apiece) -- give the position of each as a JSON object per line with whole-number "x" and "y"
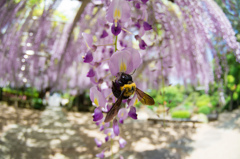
{"x": 125, "y": 78}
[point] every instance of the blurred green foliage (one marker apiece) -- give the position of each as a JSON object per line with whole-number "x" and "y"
{"x": 183, "y": 101}
{"x": 204, "y": 109}
{"x": 29, "y": 92}
{"x": 172, "y": 95}
{"x": 181, "y": 114}
{"x": 37, "y": 103}
{"x": 232, "y": 80}
{"x": 203, "y": 100}
{"x": 26, "y": 97}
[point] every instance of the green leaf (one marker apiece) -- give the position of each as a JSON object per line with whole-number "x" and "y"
{"x": 235, "y": 95}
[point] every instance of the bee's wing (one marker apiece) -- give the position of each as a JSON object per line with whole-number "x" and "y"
{"x": 144, "y": 98}
{"x": 114, "y": 110}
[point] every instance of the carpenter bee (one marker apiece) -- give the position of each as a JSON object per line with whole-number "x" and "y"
{"x": 123, "y": 87}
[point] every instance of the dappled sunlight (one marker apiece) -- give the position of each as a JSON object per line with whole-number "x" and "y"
{"x": 59, "y": 134}
{"x": 11, "y": 115}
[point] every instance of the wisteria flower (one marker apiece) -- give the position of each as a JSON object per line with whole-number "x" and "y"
{"x": 98, "y": 143}
{"x": 132, "y": 113}
{"x": 97, "y": 114}
{"x": 115, "y": 127}
{"x": 142, "y": 45}
{"x": 133, "y": 101}
{"x": 110, "y": 134}
{"x": 102, "y": 124}
{"x": 126, "y": 60}
{"x": 144, "y": 1}
{"x": 147, "y": 26}
{"x": 104, "y": 34}
{"x": 88, "y": 57}
{"x": 118, "y": 10}
{"x": 122, "y": 115}
{"x": 91, "y": 73}
{"x": 97, "y": 97}
{"x": 122, "y": 142}
{"x": 100, "y": 155}
{"x": 91, "y": 48}
{"x": 137, "y": 5}
{"x": 116, "y": 29}
{"x": 88, "y": 39}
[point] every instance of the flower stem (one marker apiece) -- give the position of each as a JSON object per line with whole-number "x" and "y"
{"x": 126, "y": 31}
{"x": 115, "y": 43}
{"x": 111, "y": 124}
{"x": 105, "y": 44}
{"x": 111, "y": 149}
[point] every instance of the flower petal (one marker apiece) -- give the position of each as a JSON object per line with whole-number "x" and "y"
{"x": 98, "y": 143}
{"x": 147, "y": 26}
{"x": 116, "y": 29}
{"x": 142, "y": 45}
{"x": 120, "y": 61}
{"x": 132, "y": 113}
{"x": 100, "y": 155}
{"x": 109, "y": 132}
{"x": 137, "y": 5}
{"x": 118, "y": 9}
{"x": 104, "y": 34}
{"x": 88, "y": 57}
{"x": 122, "y": 142}
{"x": 133, "y": 101}
{"x": 88, "y": 39}
{"x": 122, "y": 115}
{"x": 136, "y": 58}
{"x": 115, "y": 127}
{"x": 97, "y": 97}
{"x": 97, "y": 114}
{"x": 91, "y": 73}
{"x": 144, "y": 1}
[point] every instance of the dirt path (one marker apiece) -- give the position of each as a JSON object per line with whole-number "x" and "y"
{"x": 52, "y": 137}
{"x": 62, "y": 135}
{"x": 220, "y": 140}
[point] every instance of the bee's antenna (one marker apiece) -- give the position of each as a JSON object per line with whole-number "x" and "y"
{"x": 133, "y": 72}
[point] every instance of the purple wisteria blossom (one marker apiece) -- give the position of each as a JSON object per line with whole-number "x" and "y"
{"x": 115, "y": 127}
{"x": 100, "y": 155}
{"x": 132, "y": 113}
{"x": 122, "y": 115}
{"x": 142, "y": 45}
{"x": 147, "y": 26}
{"x": 118, "y": 10}
{"x": 98, "y": 143}
{"x": 88, "y": 57}
{"x": 122, "y": 142}
{"x": 116, "y": 29}
{"x": 137, "y": 5}
{"x": 97, "y": 114}
{"x": 97, "y": 97}
{"x": 126, "y": 60}
{"x": 133, "y": 101}
{"x": 144, "y": 1}
{"x": 91, "y": 73}
{"x": 104, "y": 34}
{"x": 110, "y": 134}
{"x": 102, "y": 124}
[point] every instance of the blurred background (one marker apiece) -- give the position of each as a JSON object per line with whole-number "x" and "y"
{"x": 189, "y": 67}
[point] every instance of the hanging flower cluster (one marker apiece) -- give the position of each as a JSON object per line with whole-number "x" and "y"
{"x": 105, "y": 67}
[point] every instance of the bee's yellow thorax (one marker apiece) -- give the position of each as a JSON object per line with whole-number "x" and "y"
{"x": 129, "y": 89}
